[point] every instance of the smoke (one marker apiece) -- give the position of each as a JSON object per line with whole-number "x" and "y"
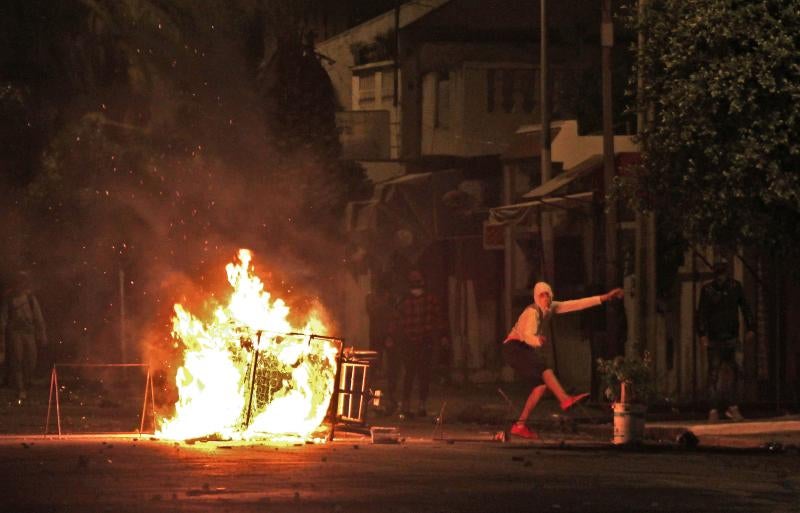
{"x": 143, "y": 198}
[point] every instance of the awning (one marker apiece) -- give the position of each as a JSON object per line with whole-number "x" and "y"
{"x": 518, "y": 212}
{"x": 404, "y": 201}
{"x": 566, "y": 177}
{"x": 428, "y": 207}
{"x": 556, "y": 193}
{"x": 551, "y": 194}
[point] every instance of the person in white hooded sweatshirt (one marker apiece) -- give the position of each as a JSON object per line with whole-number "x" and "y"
{"x": 525, "y": 350}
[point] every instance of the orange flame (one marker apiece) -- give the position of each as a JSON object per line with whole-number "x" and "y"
{"x": 247, "y": 372}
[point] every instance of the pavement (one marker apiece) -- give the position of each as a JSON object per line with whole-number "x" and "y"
{"x": 485, "y": 413}
{"x": 456, "y": 413}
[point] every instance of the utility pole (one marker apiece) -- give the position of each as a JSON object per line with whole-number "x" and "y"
{"x": 609, "y": 171}
{"x": 396, "y": 51}
{"x": 639, "y": 267}
{"x": 394, "y": 113}
{"x": 546, "y": 161}
{"x": 646, "y": 239}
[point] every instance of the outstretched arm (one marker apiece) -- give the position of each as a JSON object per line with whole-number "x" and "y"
{"x": 575, "y": 305}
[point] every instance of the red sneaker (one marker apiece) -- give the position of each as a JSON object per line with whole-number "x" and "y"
{"x": 572, "y": 400}
{"x": 522, "y": 430}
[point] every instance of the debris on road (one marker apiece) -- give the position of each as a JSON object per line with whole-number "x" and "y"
{"x": 384, "y": 435}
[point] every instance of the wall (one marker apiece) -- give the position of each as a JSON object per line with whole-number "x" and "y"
{"x": 340, "y": 59}
{"x": 571, "y": 149}
{"x": 379, "y": 98}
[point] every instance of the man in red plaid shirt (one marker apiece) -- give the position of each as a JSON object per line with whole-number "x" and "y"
{"x": 420, "y": 330}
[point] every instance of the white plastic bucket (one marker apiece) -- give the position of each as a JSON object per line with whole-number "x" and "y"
{"x": 628, "y": 423}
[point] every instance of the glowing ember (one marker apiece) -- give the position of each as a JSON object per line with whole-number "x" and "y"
{"x": 247, "y": 372}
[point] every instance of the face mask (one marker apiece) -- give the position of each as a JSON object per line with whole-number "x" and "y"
{"x": 417, "y": 292}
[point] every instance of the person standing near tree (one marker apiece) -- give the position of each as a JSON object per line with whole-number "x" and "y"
{"x": 526, "y": 349}
{"x": 21, "y": 328}
{"x": 718, "y": 328}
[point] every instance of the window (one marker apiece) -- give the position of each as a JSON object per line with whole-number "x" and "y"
{"x": 443, "y": 101}
{"x": 366, "y": 88}
{"x": 511, "y": 90}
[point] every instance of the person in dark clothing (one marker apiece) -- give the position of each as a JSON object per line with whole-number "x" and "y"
{"x": 419, "y": 331}
{"x": 380, "y": 308}
{"x": 380, "y": 305}
{"x": 21, "y": 329}
{"x": 718, "y": 328}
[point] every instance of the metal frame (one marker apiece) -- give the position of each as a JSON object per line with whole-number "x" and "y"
{"x": 54, "y": 394}
{"x": 351, "y": 392}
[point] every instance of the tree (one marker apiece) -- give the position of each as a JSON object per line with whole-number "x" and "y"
{"x": 300, "y": 114}
{"x": 721, "y": 145}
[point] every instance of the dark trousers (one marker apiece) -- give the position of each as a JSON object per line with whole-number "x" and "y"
{"x": 417, "y": 360}
{"x": 22, "y": 363}
{"x": 723, "y": 373}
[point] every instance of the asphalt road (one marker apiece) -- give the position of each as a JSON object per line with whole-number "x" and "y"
{"x": 353, "y": 475}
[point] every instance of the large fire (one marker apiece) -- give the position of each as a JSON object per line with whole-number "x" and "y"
{"x": 247, "y": 372}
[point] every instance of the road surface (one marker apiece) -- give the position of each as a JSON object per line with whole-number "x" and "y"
{"x": 129, "y": 474}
